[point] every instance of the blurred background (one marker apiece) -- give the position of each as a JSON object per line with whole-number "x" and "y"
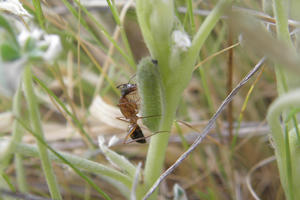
{"x": 72, "y": 55}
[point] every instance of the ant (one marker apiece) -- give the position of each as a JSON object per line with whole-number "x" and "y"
{"x": 129, "y": 107}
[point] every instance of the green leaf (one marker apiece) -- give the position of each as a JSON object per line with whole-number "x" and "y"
{"x": 30, "y": 44}
{"x": 116, "y": 159}
{"x": 5, "y": 24}
{"x": 9, "y": 52}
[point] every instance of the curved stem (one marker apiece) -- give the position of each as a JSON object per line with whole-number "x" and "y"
{"x": 206, "y": 28}
{"x": 286, "y": 167}
{"x": 17, "y": 137}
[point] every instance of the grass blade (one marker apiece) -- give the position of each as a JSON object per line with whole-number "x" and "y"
{"x": 39, "y": 12}
{"x": 37, "y": 126}
{"x": 76, "y": 121}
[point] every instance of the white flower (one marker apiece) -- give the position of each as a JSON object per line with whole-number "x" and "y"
{"x": 181, "y": 40}
{"x": 54, "y": 47}
{"x": 42, "y": 39}
{"x": 25, "y": 34}
{"x": 14, "y": 7}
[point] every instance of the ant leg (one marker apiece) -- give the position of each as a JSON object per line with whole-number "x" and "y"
{"x": 131, "y": 130}
{"x": 134, "y": 140}
{"x": 123, "y": 119}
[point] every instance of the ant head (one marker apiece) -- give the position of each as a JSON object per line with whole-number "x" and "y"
{"x": 127, "y": 88}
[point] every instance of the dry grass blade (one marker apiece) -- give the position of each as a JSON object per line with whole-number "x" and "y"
{"x": 206, "y": 130}
{"x": 111, "y": 48}
{"x": 215, "y": 54}
{"x": 255, "y": 167}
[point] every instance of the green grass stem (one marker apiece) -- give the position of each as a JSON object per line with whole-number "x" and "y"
{"x": 17, "y": 131}
{"x": 119, "y": 22}
{"x": 20, "y": 173}
{"x": 129, "y": 59}
{"x": 84, "y": 24}
{"x": 39, "y": 12}
{"x": 62, "y": 105}
{"x": 191, "y": 15}
{"x": 288, "y": 160}
{"x": 35, "y": 122}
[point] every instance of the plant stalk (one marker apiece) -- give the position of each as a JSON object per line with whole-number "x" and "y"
{"x": 35, "y": 121}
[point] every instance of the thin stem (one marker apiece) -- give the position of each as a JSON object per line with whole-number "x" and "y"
{"x": 296, "y": 127}
{"x": 37, "y": 127}
{"x": 63, "y": 106}
{"x": 205, "y": 29}
{"x": 17, "y": 137}
{"x": 20, "y": 173}
{"x": 9, "y": 151}
{"x": 191, "y": 15}
{"x": 17, "y": 131}
{"x": 288, "y": 161}
{"x": 106, "y": 34}
{"x": 279, "y": 8}
{"x": 282, "y": 25}
{"x": 84, "y": 23}
{"x": 158, "y": 145}
{"x": 156, "y": 153}
{"x": 244, "y": 106}
{"x": 123, "y": 33}
{"x": 39, "y": 12}
{"x": 230, "y": 67}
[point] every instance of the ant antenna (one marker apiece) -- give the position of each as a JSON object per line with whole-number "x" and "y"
{"x": 128, "y": 81}
{"x": 132, "y": 77}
